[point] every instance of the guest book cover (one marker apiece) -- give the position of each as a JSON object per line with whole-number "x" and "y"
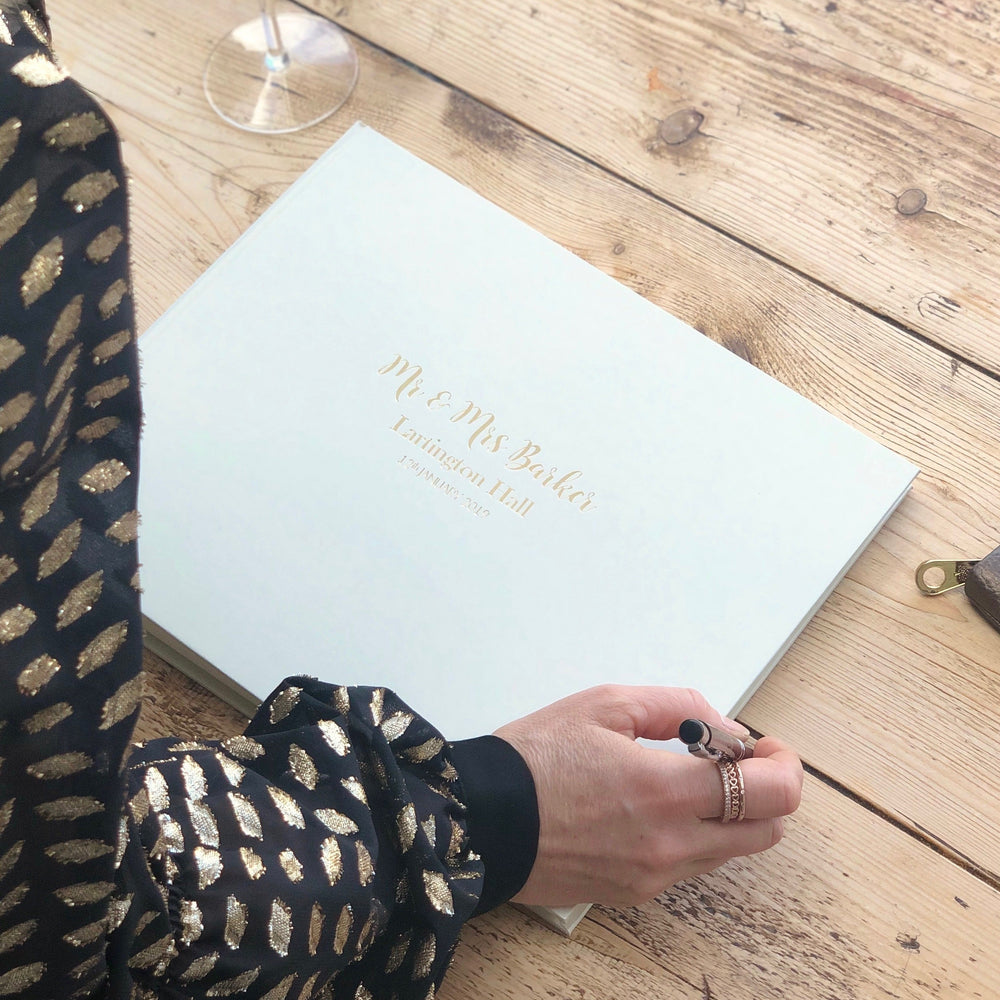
{"x": 394, "y": 436}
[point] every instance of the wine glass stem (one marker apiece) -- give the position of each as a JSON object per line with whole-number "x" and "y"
{"x": 277, "y": 56}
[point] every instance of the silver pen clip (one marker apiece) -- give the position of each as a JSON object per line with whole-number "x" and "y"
{"x": 956, "y": 572}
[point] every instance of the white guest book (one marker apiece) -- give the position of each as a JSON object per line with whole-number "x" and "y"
{"x": 396, "y": 437}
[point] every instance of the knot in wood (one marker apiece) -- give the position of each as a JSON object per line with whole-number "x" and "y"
{"x": 680, "y": 126}
{"x": 911, "y": 202}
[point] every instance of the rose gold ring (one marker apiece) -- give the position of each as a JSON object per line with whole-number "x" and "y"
{"x": 734, "y": 801}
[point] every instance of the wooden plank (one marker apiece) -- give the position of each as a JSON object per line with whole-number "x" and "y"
{"x": 879, "y": 654}
{"x": 851, "y": 140}
{"x": 847, "y": 906}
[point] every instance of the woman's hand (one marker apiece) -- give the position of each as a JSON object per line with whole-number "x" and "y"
{"x": 619, "y": 821}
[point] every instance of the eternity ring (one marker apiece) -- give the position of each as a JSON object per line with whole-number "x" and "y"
{"x": 734, "y": 805}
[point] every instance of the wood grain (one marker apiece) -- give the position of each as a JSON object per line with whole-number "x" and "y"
{"x": 879, "y": 655}
{"x": 855, "y": 141}
{"x": 849, "y": 904}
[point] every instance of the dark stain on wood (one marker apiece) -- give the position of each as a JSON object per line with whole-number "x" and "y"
{"x": 907, "y": 942}
{"x": 938, "y": 306}
{"x": 911, "y": 202}
{"x": 741, "y": 347}
{"x": 706, "y": 988}
{"x": 782, "y": 117}
{"x": 955, "y": 365}
{"x": 680, "y": 126}
{"x": 961, "y": 902}
{"x": 618, "y": 249}
{"x": 484, "y": 126}
{"x": 831, "y": 8}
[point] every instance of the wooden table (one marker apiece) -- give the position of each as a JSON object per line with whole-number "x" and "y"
{"x": 813, "y": 184}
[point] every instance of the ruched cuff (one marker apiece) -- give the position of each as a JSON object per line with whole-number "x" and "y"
{"x": 502, "y": 817}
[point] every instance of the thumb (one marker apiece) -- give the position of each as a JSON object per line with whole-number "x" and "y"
{"x": 661, "y": 710}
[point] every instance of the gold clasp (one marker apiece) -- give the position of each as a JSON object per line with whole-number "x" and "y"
{"x": 956, "y": 572}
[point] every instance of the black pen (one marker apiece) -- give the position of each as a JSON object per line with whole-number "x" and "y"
{"x": 713, "y": 744}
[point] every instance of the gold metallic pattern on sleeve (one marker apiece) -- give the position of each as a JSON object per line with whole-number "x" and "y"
{"x": 37, "y": 70}
{"x": 281, "y": 991}
{"x": 13, "y": 899}
{"x": 425, "y": 752}
{"x": 237, "y": 916}
{"x": 60, "y": 765}
{"x": 112, "y": 346}
{"x": 112, "y": 298}
{"x": 5, "y": 35}
{"x": 150, "y": 956}
{"x": 209, "y": 864}
{"x": 315, "y": 927}
{"x": 40, "y": 500}
{"x": 438, "y": 893}
{"x": 356, "y": 789}
{"x": 123, "y": 702}
{"x": 80, "y": 600}
{"x": 6, "y": 811}
{"x": 243, "y": 747}
{"x": 377, "y": 705}
{"x": 238, "y": 984}
{"x": 331, "y": 860}
{"x": 104, "y": 244}
{"x": 17, "y": 458}
{"x": 70, "y": 807}
{"x": 429, "y": 826}
{"x": 7, "y": 568}
{"x": 62, "y": 376}
{"x": 102, "y": 649}
{"x": 87, "y": 967}
{"x": 279, "y": 927}
{"x": 35, "y": 26}
{"x": 9, "y": 858}
{"x": 15, "y": 410}
{"x": 406, "y": 826}
{"x": 303, "y": 767}
{"x": 76, "y": 131}
{"x": 96, "y": 430}
{"x": 104, "y": 476}
{"x": 362, "y": 994}
{"x": 48, "y": 718}
{"x": 36, "y": 675}
{"x": 334, "y": 737}
{"x": 234, "y": 772}
{"x": 366, "y": 870}
{"x": 59, "y": 422}
{"x": 287, "y": 806}
{"x": 61, "y": 550}
{"x": 291, "y": 865}
{"x": 171, "y": 837}
{"x": 10, "y": 351}
{"x": 253, "y": 864}
{"x": 342, "y": 700}
{"x": 118, "y": 910}
{"x": 17, "y": 209}
{"x": 20, "y": 979}
{"x": 200, "y": 967}
{"x": 65, "y": 327}
{"x": 126, "y": 528}
{"x": 344, "y": 923}
{"x": 104, "y": 391}
{"x": 192, "y": 924}
{"x": 10, "y": 132}
{"x": 336, "y": 821}
{"x": 42, "y": 272}
{"x": 203, "y": 821}
{"x": 84, "y": 893}
{"x": 88, "y": 934}
{"x": 423, "y": 961}
{"x": 456, "y": 843}
{"x": 246, "y": 815}
{"x": 396, "y": 725}
{"x": 398, "y": 953}
{"x": 283, "y": 704}
{"x": 157, "y": 791}
{"x": 88, "y": 192}
{"x": 78, "y": 852}
{"x": 195, "y": 785}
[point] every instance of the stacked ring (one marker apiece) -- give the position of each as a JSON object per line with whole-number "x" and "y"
{"x": 734, "y": 805}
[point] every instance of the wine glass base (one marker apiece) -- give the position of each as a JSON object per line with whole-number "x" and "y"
{"x": 253, "y": 90}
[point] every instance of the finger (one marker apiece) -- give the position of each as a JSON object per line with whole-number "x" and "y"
{"x": 657, "y": 712}
{"x": 737, "y": 840}
{"x": 772, "y": 786}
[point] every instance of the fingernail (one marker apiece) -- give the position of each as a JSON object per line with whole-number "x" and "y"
{"x": 736, "y": 728}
